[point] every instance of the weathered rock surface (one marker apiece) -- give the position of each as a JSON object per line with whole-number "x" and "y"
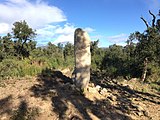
{"x": 81, "y": 74}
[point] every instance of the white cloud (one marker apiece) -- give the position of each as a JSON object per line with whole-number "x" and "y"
{"x": 66, "y": 33}
{"x": 67, "y": 29}
{"x": 57, "y": 34}
{"x": 17, "y": 1}
{"x": 118, "y": 39}
{"x": 46, "y": 31}
{"x": 88, "y": 29}
{"x": 64, "y": 39}
{"x": 4, "y": 28}
{"x": 40, "y": 16}
{"x": 36, "y": 14}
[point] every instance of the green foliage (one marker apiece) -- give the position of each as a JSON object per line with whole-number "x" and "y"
{"x": 68, "y": 51}
{"x": 153, "y": 72}
{"x": 19, "y": 56}
{"x": 23, "y": 38}
{"x": 6, "y": 47}
{"x": 97, "y": 55}
{"x": 147, "y": 52}
{"x": 22, "y": 31}
{"x": 94, "y": 47}
{"x": 8, "y": 68}
{"x": 114, "y": 62}
{"x": 11, "y": 68}
{"x": 155, "y": 85}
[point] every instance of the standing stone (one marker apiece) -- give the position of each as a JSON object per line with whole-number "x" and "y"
{"x": 81, "y": 74}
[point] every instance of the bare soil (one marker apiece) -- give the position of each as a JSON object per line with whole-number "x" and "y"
{"x": 52, "y": 96}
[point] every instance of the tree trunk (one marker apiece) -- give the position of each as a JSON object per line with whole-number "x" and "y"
{"x": 144, "y": 74}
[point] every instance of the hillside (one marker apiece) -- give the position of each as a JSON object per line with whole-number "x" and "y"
{"x": 52, "y": 96}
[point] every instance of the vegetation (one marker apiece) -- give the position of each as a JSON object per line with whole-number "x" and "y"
{"x": 20, "y": 57}
{"x": 140, "y": 58}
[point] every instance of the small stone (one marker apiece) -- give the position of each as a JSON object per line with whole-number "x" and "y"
{"x": 133, "y": 79}
{"x": 134, "y": 99}
{"x": 52, "y": 91}
{"x": 103, "y": 91}
{"x": 3, "y": 118}
{"x": 139, "y": 108}
{"x": 40, "y": 110}
{"x": 92, "y": 90}
{"x": 139, "y": 113}
{"x": 114, "y": 81}
{"x": 73, "y": 87}
{"x": 145, "y": 113}
{"x": 94, "y": 102}
{"x": 98, "y": 87}
{"x": 92, "y": 84}
{"x": 112, "y": 98}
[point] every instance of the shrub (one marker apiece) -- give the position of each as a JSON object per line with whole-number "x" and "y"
{"x": 9, "y": 68}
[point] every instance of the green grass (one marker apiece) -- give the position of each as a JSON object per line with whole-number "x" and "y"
{"x": 155, "y": 86}
{"x": 13, "y": 68}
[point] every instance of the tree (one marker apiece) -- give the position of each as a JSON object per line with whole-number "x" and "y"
{"x": 94, "y": 46}
{"x": 52, "y": 50}
{"x": 97, "y": 55}
{"x": 114, "y": 62}
{"x": 131, "y": 63}
{"x": 6, "y": 47}
{"x": 147, "y": 49}
{"x": 60, "y": 48}
{"x": 23, "y": 36}
{"x": 68, "y": 51}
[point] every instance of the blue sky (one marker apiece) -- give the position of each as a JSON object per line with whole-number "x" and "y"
{"x": 110, "y": 21}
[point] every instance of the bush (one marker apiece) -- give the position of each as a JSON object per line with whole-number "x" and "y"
{"x": 9, "y": 69}
{"x": 155, "y": 86}
{"x": 13, "y": 68}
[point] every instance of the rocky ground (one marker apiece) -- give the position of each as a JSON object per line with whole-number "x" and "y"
{"x": 52, "y": 96}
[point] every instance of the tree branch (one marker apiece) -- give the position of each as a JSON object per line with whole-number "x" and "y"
{"x": 145, "y": 22}
{"x": 154, "y": 18}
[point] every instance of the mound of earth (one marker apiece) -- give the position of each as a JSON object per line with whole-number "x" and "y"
{"x": 52, "y": 96}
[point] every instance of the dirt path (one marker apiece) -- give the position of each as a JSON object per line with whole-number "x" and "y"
{"x": 51, "y": 96}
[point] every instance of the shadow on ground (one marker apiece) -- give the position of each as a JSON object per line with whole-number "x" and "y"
{"x": 126, "y": 95}
{"x": 124, "y": 91}
{"x": 5, "y": 105}
{"x": 68, "y": 103}
{"x": 23, "y": 112}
